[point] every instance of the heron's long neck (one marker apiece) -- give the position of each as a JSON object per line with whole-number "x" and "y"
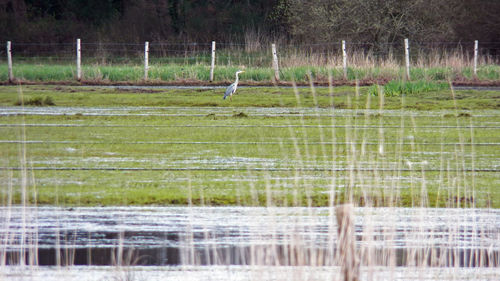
{"x": 236, "y": 78}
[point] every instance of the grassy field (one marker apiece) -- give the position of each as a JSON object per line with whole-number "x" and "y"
{"x": 341, "y": 98}
{"x": 269, "y": 146}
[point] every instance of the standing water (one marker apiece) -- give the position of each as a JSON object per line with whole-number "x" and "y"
{"x": 240, "y": 243}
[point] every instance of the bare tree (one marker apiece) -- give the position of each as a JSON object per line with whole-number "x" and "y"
{"x": 380, "y": 22}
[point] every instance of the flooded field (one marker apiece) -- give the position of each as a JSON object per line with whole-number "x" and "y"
{"x": 248, "y": 155}
{"x": 246, "y": 193}
{"x": 242, "y": 241}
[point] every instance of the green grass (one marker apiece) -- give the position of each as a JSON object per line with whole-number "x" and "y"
{"x": 200, "y": 72}
{"x": 215, "y": 152}
{"x": 341, "y": 98}
{"x": 398, "y": 88}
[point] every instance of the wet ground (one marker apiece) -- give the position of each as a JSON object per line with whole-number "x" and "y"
{"x": 80, "y": 150}
{"x": 243, "y": 273}
{"x": 223, "y": 111}
{"x": 241, "y": 243}
{"x": 227, "y": 235}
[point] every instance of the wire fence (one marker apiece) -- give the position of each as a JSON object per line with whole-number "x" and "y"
{"x": 241, "y": 54}
{"x": 464, "y": 57}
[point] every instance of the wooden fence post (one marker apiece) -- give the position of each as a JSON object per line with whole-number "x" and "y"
{"x": 9, "y": 61}
{"x": 78, "y": 60}
{"x": 344, "y": 59}
{"x": 347, "y": 242}
{"x": 212, "y": 66}
{"x": 275, "y": 63}
{"x": 476, "y": 47}
{"x": 407, "y": 58}
{"x": 146, "y": 60}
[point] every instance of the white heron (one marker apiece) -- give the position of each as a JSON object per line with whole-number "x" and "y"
{"x": 232, "y": 88}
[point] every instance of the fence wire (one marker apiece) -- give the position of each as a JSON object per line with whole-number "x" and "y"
{"x": 252, "y": 55}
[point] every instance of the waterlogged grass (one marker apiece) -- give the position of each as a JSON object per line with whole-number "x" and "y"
{"x": 248, "y": 189}
{"x": 207, "y": 153}
{"x": 200, "y": 72}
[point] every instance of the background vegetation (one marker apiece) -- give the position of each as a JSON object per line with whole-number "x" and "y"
{"x": 308, "y": 34}
{"x": 376, "y": 21}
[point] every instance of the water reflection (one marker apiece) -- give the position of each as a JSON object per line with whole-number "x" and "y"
{"x": 245, "y": 235}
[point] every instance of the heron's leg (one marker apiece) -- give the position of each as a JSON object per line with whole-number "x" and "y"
{"x": 231, "y": 97}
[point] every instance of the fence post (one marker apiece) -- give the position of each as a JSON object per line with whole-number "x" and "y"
{"x": 212, "y": 65}
{"x": 476, "y": 47}
{"x": 78, "y": 60}
{"x": 407, "y": 58}
{"x": 344, "y": 59}
{"x": 275, "y": 63}
{"x": 347, "y": 242}
{"x": 146, "y": 60}
{"x": 9, "y": 61}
